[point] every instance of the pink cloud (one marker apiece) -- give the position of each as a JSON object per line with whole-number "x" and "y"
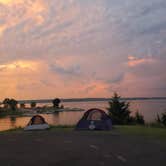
{"x": 134, "y": 61}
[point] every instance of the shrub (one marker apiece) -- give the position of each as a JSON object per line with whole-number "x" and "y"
{"x": 162, "y": 119}
{"x": 22, "y": 105}
{"x": 139, "y": 119}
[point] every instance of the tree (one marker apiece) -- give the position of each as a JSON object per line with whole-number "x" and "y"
{"x": 6, "y": 103}
{"x": 56, "y": 102}
{"x": 119, "y": 110}
{"x": 10, "y": 103}
{"x": 33, "y": 104}
{"x": 13, "y": 104}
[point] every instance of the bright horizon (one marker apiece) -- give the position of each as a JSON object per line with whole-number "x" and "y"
{"x": 82, "y": 49}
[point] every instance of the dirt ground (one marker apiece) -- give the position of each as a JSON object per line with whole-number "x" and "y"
{"x": 62, "y": 148}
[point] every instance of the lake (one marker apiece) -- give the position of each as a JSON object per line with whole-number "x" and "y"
{"x": 149, "y": 109}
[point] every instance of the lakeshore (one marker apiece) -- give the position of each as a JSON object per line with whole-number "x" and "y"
{"x": 73, "y": 111}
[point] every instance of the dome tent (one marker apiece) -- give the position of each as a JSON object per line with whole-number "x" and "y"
{"x": 94, "y": 119}
{"x": 37, "y": 122}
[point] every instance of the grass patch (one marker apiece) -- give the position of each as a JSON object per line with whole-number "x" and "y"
{"x": 52, "y": 128}
{"x": 14, "y": 130}
{"x": 135, "y": 130}
{"x": 148, "y": 131}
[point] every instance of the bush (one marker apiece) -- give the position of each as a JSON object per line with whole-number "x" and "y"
{"x": 119, "y": 110}
{"x": 162, "y": 119}
{"x": 139, "y": 119}
{"x": 22, "y": 105}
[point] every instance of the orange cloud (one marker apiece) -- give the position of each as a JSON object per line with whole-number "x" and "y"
{"x": 16, "y": 76}
{"x": 19, "y": 64}
{"x": 134, "y": 61}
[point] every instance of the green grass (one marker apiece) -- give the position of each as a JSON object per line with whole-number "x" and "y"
{"x": 52, "y": 128}
{"x": 131, "y": 130}
{"x": 14, "y": 130}
{"x": 147, "y": 131}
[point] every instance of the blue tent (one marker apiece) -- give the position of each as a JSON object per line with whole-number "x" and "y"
{"x": 94, "y": 119}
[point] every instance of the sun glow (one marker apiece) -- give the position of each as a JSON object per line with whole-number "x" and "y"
{"x": 134, "y": 61}
{"x": 5, "y": 1}
{"x": 8, "y": 2}
{"x": 19, "y": 64}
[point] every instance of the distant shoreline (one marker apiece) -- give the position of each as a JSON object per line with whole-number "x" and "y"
{"x": 89, "y": 99}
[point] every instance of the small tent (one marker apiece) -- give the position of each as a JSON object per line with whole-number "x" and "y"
{"x": 94, "y": 119}
{"x": 37, "y": 122}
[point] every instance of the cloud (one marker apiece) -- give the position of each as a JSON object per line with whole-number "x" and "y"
{"x": 14, "y": 13}
{"x": 70, "y": 71}
{"x": 82, "y": 47}
{"x": 134, "y": 61}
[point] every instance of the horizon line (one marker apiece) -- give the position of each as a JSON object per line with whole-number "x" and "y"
{"x": 86, "y": 99}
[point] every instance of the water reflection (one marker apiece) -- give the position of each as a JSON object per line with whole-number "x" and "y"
{"x": 13, "y": 121}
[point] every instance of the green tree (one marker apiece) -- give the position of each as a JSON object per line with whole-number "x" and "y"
{"x": 56, "y": 102}
{"x": 119, "y": 110}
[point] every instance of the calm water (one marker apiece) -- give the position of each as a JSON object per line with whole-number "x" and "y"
{"x": 149, "y": 108}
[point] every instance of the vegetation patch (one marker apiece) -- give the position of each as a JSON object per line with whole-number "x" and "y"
{"x": 154, "y": 132}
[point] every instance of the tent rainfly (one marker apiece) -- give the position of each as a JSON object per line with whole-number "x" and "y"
{"x": 37, "y": 122}
{"x": 94, "y": 119}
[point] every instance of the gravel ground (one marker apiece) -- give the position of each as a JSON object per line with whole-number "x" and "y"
{"x": 62, "y": 148}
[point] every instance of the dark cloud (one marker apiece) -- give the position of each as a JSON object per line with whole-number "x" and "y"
{"x": 67, "y": 71}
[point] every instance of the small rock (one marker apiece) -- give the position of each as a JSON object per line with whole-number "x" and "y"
{"x": 121, "y": 158}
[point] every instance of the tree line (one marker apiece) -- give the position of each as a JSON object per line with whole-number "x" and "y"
{"x": 12, "y": 104}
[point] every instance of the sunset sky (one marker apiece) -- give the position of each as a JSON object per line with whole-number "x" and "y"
{"x": 82, "y": 48}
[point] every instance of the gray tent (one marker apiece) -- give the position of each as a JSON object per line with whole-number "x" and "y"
{"x": 37, "y": 122}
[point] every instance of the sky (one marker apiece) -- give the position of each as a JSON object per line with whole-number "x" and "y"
{"x": 82, "y": 48}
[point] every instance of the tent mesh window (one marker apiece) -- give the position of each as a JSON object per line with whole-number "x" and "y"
{"x": 94, "y": 115}
{"x": 37, "y": 120}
